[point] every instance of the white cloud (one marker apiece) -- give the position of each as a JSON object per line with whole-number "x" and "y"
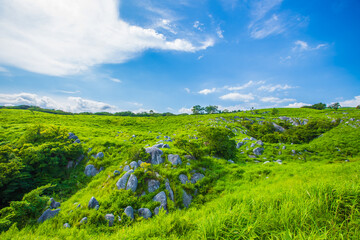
{"x": 67, "y": 37}
{"x": 70, "y": 104}
{"x": 207, "y": 91}
{"x": 185, "y": 110}
{"x": 136, "y": 104}
{"x": 277, "y": 100}
{"x": 260, "y": 8}
{"x": 200, "y": 57}
{"x": 220, "y": 32}
{"x": 187, "y": 90}
{"x": 297, "y": 105}
{"x": 272, "y": 26}
{"x": 232, "y": 108}
{"x": 351, "y": 103}
{"x": 272, "y": 88}
{"x": 116, "y": 80}
{"x": 237, "y": 97}
{"x": 3, "y": 70}
{"x": 246, "y": 85}
{"x": 198, "y": 25}
{"x": 304, "y": 46}
{"x": 68, "y": 92}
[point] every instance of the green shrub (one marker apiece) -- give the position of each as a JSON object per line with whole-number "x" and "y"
{"x": 218, "y": 141}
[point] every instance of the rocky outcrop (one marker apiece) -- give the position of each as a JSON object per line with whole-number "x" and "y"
{"x": 168, "y": 188}
{"x": 153, "y": 185}
{"x": 258, "y": 151}
{"x": 110, "y": 218}
{"x": 155, "y": 155}
{"x": 161, "y": 197}
{"x": 47, "y": 215}
{"x": 132, "y": 183}
{"x": 91, "y": 171}
{"x": 129, "y": 211}
{"x": 187, "y": 198}
{"x": 174, "y": 159}
{"x": 93, "y": 203}
{"x": 121, "y": 183}
{"x": 145, "y": 213}
{"x": 196, "y": 177}
{"x": 183, "y": 178}
{"x": 54, "y": 204}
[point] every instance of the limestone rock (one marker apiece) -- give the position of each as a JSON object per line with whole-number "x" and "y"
{"x": 54, "y": 204}
{"x": 93, "y": 202}
{"x": 145, "y": 213}
{"x": 196, "y": 177}
{"x": 134, "y": 165}
{"x": 161, "y": 197}
{"x": 90, "y": 170}
{"x": 132, "y": 183}
{"x": 47, "y": 215}
{"x": 168, "y": 188}
{"x": 129, "y": 211}
{"x": 83, "y": 220}
{"x": 187, "y": 198}
{"x": 174, "y": 159}
{"x": 183, "y": 178}
{"x": 258, "y": 151}
{"x": 110, "y": 218}
{"x": 121, "y": 183}
{"x": 153, "y": 185}
{"x": 155, "y": 155}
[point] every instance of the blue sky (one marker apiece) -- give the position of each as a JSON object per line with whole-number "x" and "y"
{"x": 168, "y": 55}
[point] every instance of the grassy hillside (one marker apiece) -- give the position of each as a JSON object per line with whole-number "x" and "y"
{"x": 304, "y": 183}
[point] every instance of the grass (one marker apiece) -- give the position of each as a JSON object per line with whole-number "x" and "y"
{"x": 314, "y": 194}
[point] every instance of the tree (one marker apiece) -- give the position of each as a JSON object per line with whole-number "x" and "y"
{"x": 197, "y": 109}
{"x": 358, "y": 107}
{"x": 211, "y": 109}
{"x": 335, "y": 106}
{"x": 318, "y": 106}
{"x": 219, "y": 142}
{"x": 274, "y": 111}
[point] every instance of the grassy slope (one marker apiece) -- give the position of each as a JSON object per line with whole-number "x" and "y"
{"x": 316, "y": 198}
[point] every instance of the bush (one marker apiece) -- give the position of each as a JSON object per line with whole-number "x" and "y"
{"x": 219, "y": 142}
{"x": 191, "y": 147}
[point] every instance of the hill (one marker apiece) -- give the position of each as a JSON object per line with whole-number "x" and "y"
{"x": 289, "y": 174}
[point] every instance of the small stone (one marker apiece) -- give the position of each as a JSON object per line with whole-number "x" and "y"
{"x": 260, "y": 143}
{"x": 196, "y": 177}
{"x": 183, "y": 178}
{"x": 153, "y": 185}
{"x": 134, "y": 165}
{"x": 168, "y": 188}
{"x": 266, "y": 162}
{"x": 116, "y": 173}
{"x": 187, "y": 198}
{"x": 132, "y": 183}
{"x": 83, "y": 220}
{"x": 93, "y": 202}
{"x": 99, "y": 155}
{"x": 129, "y": 211}
{"x": 231, "y": 161}
{"x": 258, "y": 151}
{"x": 174, "y": 159}
{"x": 126, "y": 168}
{"x": 47, "y": 215}
{"x": 145, "y": 213}
{"x": 110, "y": 218}
{"x": 66, "y": 225}
{"x": 161, "y": 197}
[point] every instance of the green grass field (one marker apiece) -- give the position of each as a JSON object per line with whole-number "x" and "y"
{"x": 313, "y": 194}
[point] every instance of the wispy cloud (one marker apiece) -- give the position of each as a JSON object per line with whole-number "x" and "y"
{"x": 68, "y": 92}
{"x": 304, "y": 46}
{"x": 272, "y": 26}
{"x": 238, "y": 97}
{"x": 351, "y": 103}
{"x": 116, "y": 80}
{"x": 67, "y": 37}
{"x": 276, "y": 100}
{"x": 3, "y": 70}
{"x": 273, "y": 88}
{"x": 187, "y": 90}
{"x": 246, "y": 85}
{"x": 207, "y": 91}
